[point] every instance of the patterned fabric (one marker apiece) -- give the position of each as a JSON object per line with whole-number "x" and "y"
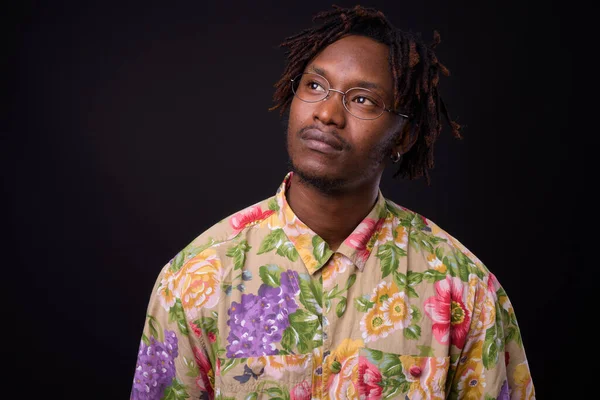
{"x": 259, "y": 307}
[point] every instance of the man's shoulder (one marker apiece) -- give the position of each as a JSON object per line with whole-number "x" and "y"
{"x": 228, "y": 230}
{"x": 426, "y": 235}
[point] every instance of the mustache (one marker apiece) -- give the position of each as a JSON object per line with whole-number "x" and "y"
{"x": 345, "y": 144}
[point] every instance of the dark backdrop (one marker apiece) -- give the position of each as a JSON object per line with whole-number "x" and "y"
{"x": 132, "y": 127}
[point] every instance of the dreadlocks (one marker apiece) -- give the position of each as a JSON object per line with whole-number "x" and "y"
{"x": 415, "y": 70}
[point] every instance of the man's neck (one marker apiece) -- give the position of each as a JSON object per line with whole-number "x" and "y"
{"x": 332, "y": 216}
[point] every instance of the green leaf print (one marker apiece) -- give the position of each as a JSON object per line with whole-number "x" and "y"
{"x": 176, "y": 391}
{"x": 389, "y": 254}
{"x": 192, "y": 368}
{"x": 425, "y": 351}
{"x": 452, "y": 265}
{"x": 275, "y": 391}
{"x": 239, "y": 254}
{"x": 303, "y": 319}
{"x": 400, "y": 280}
{"x": 404, "y": 216}
{"x": 321, "y": 249}
{"x": 390, "y": 365}
{"x": 270, "y": 274}
{"x": 432, "y": 275}
{"x": 290, "y": 339}
{"x": 251, "y": 396}
{"x": 207, "y": 324}
{"x": 375, "y": 356}
{"x": 311, "y": 294}
{"x": 340, "y": 309}
{"x": 228, "y": 363}
{"x": 412, "y": 332}
{"x": 414, "y": 278}
{"x": 154, "y": 331}
{"x": 178, "y": 261}
{"x": 273, "y": 240}
{"x": 363, "y": 304}
{"x": 350, "y": 282}
{"x": 306, "y": 326}
{"x": 288, "y": 250}
{"x": 411, "y": 292}
{"x": 463, "y": 266}
{"x": 273, "y": 205}
{"x": 416, "y": 313}
{"x": 176, "y": 314}
{"x": 490, "y": 348}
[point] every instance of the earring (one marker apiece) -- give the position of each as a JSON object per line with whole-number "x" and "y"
{"x": 396, "y": 158}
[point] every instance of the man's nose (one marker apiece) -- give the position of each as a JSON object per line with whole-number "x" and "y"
{"x": 331, "y": 110}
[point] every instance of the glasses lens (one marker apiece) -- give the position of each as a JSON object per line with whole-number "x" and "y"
{"x": 364, "y": 104}
{"x": 310, "y": 87}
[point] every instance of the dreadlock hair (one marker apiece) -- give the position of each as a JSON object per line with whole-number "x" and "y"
{"x": 415, "y": 70}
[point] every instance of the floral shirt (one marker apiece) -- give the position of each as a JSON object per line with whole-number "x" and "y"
{"x": 259, "y": 307}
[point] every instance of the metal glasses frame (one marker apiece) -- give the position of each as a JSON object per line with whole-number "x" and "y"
{"x": 330, "y": 89}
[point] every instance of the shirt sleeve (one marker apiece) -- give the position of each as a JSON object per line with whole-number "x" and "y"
{"x": 172, "y": 360}
{"x": 492, "y": 364}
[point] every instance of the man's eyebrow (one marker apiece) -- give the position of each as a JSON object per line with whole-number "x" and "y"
{"x": 362, "y": 84}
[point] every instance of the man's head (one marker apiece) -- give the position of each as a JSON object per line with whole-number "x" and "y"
{"x": 399, "y": 114}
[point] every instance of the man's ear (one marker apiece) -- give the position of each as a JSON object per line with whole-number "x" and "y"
{"x": 405, "y": 139}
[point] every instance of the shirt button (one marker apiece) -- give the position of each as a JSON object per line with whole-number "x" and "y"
{"x": 336, "y": 367}
{"x": 415, "y": 371}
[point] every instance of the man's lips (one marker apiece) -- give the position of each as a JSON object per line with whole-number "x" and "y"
{"x": 321, "y": 141}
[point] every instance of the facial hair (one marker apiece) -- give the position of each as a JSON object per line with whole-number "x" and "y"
{"x": 331, "y": 186}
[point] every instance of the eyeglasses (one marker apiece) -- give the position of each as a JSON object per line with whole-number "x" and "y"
{"x": 360, "y": 102}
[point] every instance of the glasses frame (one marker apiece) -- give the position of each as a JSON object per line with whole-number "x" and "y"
{"x": 330, "y": 89}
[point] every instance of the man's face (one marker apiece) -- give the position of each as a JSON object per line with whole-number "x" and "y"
{"x": 327, "y": 145}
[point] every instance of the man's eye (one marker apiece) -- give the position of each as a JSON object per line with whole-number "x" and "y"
{"x": 364, "y": 101}
{"x": 315, "y": 86}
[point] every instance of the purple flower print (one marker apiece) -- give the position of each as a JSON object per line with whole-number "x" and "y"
{"x": 155, "y": 367}
{"x": 258, "y": 322}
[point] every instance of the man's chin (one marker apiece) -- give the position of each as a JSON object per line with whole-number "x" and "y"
{"x": 320, "y": 180}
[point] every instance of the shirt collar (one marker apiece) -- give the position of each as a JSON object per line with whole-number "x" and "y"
{"x": 313, "y": 250}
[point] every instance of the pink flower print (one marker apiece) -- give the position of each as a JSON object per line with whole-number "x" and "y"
{"x": 195, "y": 329}
{"x": 447, "y": 310}
{"x": 301, "y": 391}
{"x": 369, "y": 380}
{"x": 206, "y": 378}
{"x": 360, "y": 238}
{"x": 248, "y": 216}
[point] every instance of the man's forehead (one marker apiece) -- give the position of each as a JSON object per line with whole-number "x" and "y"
{"x": 357, "y": 58}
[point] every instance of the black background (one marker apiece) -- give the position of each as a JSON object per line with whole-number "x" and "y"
{"x": 133, "y": 127}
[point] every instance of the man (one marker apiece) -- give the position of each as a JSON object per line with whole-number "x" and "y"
{"x": 327, "y": 289}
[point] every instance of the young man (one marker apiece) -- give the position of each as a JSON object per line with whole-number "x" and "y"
{"x": 327, "y": 289}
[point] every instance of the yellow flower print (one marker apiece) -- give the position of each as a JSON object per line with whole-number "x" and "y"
{"x": 199, "y": 282}
{"x": 337, "y": 265}
{"x": 523, "y": 383}
{"x": 472, "y": 352}
{"x": 487, "y": 309}
{"x": 385, "y": 233}
{"x": 275, "y": 365}
{"x": 304, "y": 247}
{"x": 168, "y": 290}
{"x": 341, "y": 369}
{"x": 375, "y": 325}
{"x": 383, "y": 291}
{"x": 272, "y": 222}
{"x": 397, "y": 310}
{"x": 401, "y": 239}
{"x": 436, "y": 263}
{"x": 471, "y": 384}
{"x": 425, "y": 375}
{"x": 317, "y": 375}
